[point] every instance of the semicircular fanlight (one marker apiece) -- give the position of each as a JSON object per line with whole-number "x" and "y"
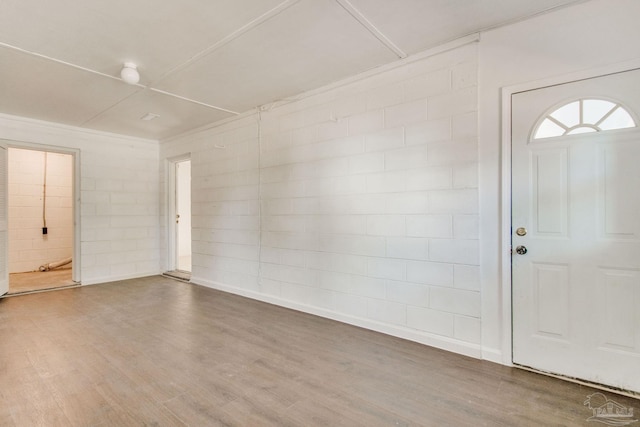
{"x": 584, "y": 116}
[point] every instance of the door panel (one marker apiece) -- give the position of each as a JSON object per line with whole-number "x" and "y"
{"x": 619, "y": 301}
{"x": 4, "y": 261}
{"x": 576, "y": 290}
{"x": 551, "y": 291}
{"x": 619, "y": 183}
{"x": 549, "y": 210}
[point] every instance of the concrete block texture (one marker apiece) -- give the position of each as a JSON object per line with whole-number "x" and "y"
{"x": 367, "y": 196}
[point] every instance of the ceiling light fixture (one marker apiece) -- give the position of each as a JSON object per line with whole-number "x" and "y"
{"x": 130, "y": 73}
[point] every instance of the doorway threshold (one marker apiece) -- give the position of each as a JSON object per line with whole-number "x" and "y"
{"x": 184, "y": 276}
{"x": 36, "y": 291}
{"x": 20, "y": 283}
{"x": 603, "y": 387}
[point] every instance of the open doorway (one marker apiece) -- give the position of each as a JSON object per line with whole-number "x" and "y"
{"x": 183, "y": 215}
{"x": 180, "y": 218}
{"x": 41, "y": 220}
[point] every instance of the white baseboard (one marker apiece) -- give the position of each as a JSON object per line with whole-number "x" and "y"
{"x": 444, "y": 343}
{"x": 107, "y": 279}
{"x": 492, "y": 355}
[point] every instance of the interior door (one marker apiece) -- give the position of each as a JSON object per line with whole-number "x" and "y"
{"x": 4, "y": 270}
{"x": 183, "y": 215}
{"x": 576, "y": 229}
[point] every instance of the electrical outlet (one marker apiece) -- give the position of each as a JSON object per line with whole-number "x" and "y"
{"x": 44, "y": 230}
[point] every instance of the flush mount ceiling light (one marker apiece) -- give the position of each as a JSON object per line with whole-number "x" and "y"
{"x": 130, "y": 73}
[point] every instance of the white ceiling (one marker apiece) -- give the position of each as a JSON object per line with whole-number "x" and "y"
{"x": 205, "y": 60}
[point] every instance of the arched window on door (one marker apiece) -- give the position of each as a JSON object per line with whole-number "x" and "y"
{"x": 584, "y": 116}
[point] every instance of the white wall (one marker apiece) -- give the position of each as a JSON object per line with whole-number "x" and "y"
{"x": 363, "y": 202}
{"x": 224, "y": 202}
{"x": 28, "y": 247}
{"x": 119, "y": 190}
{"x": 359, "y": 203}
{"x": 556, "y": 45}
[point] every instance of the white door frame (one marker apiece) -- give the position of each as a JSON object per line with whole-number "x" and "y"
{"x": 75, "y": 154}
{"x": 170, "y": 188}
{"x": 505, "y": 240}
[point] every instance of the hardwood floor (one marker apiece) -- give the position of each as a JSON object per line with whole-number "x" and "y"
{"x": 156, "y": 351}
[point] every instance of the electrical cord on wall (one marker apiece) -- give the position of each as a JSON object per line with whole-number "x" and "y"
{"x": 44, "y": 197}
{"x": 260, "y": 224}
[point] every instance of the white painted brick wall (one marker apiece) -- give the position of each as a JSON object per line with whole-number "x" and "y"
{"x": 428, "y": 320}
{"x": 225, "y": 208}
{"x": 408, "y": 293}
{"x": 368, "y": 200}
{"x": 119, "y": 199}
{"x": 387, "y": 312}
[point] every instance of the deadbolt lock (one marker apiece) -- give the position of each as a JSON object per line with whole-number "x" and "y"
{"x": 521, "y": 250}
{"x": 521, "y": 231}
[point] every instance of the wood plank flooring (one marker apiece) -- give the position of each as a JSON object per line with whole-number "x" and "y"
{"x": 39, "y": 280}
{"x": 156, "y": 351}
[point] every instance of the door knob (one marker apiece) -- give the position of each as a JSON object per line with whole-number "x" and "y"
{"x": 521, "y": 250}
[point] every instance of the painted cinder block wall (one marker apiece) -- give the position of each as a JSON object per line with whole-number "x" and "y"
{"x": 312, "y": 246}
{"x": 29, "y": 248}
{"x": 118, "y": 195}
{"x": 358, "y": 203}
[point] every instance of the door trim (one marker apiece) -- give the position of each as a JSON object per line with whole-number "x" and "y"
{"x": 75, "y": 154}
{"x": 170, "y": 191}
{"x": 505, "y": 185}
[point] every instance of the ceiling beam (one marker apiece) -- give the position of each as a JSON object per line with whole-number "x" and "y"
{"x": 351, "y": 9}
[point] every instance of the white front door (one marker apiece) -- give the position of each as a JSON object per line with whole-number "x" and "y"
{"x": 4, "y": 237}
{"x": 576, "y": 229}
